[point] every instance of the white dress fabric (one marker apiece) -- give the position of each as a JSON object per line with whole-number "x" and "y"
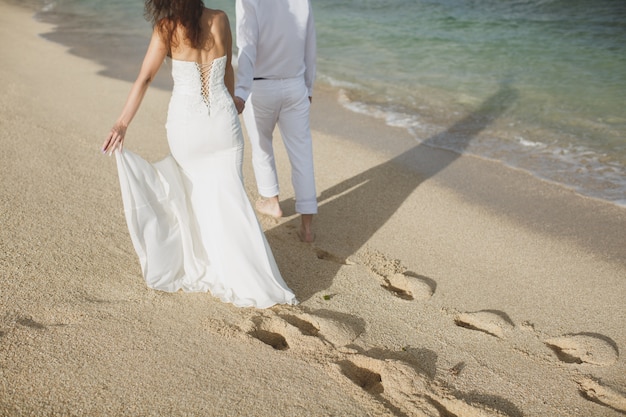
{"x": 189, "y": 217}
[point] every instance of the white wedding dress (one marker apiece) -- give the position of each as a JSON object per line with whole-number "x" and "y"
{"x": 189, "y": 217}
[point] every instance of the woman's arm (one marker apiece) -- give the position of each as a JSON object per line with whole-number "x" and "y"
{"x": 157, "y": 51}
{"x": 227, "y": 39}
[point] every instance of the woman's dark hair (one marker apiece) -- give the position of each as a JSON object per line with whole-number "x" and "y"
{"x": 166, "y": 15}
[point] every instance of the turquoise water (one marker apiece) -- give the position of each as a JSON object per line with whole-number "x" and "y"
{"x": 424, "y": 64}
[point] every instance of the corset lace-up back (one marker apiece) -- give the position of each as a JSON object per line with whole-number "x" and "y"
{"x": 205, "y": 80}
{"x": 202, "y": 83}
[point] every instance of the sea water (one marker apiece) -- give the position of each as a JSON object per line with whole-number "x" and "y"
{"x": 556, "y": 67}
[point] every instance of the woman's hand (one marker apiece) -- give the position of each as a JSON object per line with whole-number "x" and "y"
{"x": 115, "y": 140}
{"x": 239, "y": 104}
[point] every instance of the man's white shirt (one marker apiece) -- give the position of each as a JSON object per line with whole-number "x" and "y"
{"x": 276, "y": 40}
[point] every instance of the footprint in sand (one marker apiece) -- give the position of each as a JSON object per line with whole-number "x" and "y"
{"x": 492, "y": 322}
{"x": 331, "y": 257}
{"x": 396, "y": 279}
{"x": 399, "y": 386}
{"x": 336, "y": 328}
{"x": 271, "y": 331}
{"x": 405, "y": 391}
{"x": 591, "y": 348}
{"x": 601, "y": 394}
{"x": 410, "y": 286}
{"x": 29, "y": 322}
{"x": 305, "y": 331}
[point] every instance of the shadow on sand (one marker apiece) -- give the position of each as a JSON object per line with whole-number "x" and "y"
{"x": 359, "y": 206}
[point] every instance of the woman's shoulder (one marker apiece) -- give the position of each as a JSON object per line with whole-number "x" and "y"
{"x": 215, "y": 13}
{"x": 216, "y": 17}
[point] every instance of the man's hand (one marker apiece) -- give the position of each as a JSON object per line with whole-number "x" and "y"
{"x": 239, "y": 104}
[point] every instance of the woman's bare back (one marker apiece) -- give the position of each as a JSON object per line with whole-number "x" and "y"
{"x": 216, "y": 39}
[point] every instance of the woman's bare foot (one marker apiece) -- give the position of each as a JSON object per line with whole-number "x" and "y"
{"x": 269, "y": 206}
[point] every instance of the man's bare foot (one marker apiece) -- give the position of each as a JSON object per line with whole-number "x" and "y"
{"x": 306, "y": 236}
{"x": 269, "y": 207}
{"x": 306, "y": 228}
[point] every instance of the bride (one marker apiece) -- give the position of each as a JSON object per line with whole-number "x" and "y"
{"x": 189, "y": 217}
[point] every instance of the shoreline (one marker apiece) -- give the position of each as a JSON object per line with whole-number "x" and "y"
{"x": 556, "y": 210}
{"x": 439, "y": 283}
{"x": 130, "y": 50}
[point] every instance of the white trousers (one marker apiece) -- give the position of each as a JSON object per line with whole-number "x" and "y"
{"x": 284, "y": 103}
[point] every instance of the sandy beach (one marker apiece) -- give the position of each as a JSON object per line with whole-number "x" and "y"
{"x": 439, "y": 284}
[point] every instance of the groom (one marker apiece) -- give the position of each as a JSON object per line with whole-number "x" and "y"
{"x": 275, "y": 74}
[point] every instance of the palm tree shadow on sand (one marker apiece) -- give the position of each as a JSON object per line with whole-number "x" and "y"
{"x": 355, "y": 209}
